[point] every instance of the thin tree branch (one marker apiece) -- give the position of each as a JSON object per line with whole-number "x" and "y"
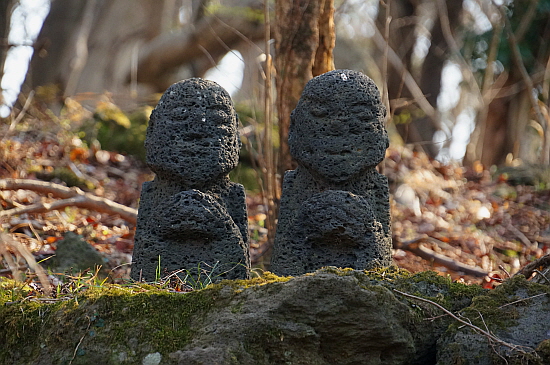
{"x": 17, "y": 119}
{"x": 449, "y": 38}
{"x": 468, "y": 324}
{"x": 522, "y": 300}
{"x": 269, "y": 169}
{"x": 81, "y": 47}
{"x": 526, "y": 21}
{"x": 71, "y": 197}
{"x": 385, "y": 93}
{"x": 165, "y": 53}
{"x": 408, "y": 79}
{"x": 487, "y": 86}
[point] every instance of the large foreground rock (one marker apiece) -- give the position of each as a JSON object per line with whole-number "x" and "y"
{"x": 329, "y": 317}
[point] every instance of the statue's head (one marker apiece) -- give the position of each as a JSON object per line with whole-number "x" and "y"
{"x": 193, "y": 133}
{"x": 337, "y": 129}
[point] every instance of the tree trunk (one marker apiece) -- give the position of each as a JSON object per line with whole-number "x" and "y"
{"x": 412, "y": 123}
{"x": 304, "y": 39}
{"x": 84, "y": 47}
{"x": 507, "y": 129}
{"x": 324, "y": 60}
{"x": 430, "y": 78}
{"x": 6, "y": 9}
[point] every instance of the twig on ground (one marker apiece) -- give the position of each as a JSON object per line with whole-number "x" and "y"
{"x": 542, "y": 275}
{"x": 71, "y": 197}
{"x": 427, "y": 254}
{"x": 80, "y": 342}
{"x": 529, "y": 269}
{"x": 485, "y": 333}
{"x": 503, "y": 269}
{"x": 522, "y": 300}
{"x": 519, "y": 234}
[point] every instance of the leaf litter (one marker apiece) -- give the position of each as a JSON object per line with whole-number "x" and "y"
{"x": 445, "y": 217}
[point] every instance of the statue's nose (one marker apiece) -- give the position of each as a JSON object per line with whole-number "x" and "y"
{"x": 338, "y": 128}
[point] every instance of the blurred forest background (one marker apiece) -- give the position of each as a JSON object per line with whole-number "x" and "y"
{"x": 466, "y": 82}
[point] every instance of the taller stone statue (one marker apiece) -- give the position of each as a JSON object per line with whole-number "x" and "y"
{"x": 191, "y": 217}
{"x": 335, "y": 206}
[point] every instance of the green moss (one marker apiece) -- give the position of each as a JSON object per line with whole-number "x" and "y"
{"x": 391, "y": 273}
{"x": 12, "y": 290}
{"x": 122, "y": 317}
{"x": 139, "y": 320}
{"x": 543, "y": 349}
{"x": 239, "y": 285}
{"x": 491, "y": 308}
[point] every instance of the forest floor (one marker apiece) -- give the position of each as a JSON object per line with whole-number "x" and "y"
{"x": 473, "y": 225}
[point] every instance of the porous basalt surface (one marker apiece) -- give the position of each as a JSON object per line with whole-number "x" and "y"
{"x": 192, "y": 135}
{"x": 335, "y": 205}
{"x": 191, "y": 217}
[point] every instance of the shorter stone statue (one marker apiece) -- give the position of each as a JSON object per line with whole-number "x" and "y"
{"x": 335, "y": 206}
{"x": 191, "y": 216}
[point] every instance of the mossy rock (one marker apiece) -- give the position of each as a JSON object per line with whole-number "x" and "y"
{"x": 332, "y": 316}
{"x": 74, "y": 255}
{"x": 516, "y": 312}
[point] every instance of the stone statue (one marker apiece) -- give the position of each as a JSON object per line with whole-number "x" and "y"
{"x": 335, "y": 206}
{"x": 191, "y": 216}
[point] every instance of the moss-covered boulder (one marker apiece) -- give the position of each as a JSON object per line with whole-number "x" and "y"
{"x": 517, "y": 313}
{"x": 330, "y": 317}
{"x": 74, "y": 254}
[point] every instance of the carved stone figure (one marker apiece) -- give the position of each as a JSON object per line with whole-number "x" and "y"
{"x": 191, "y": 216}
{"x": 335, "y": 206}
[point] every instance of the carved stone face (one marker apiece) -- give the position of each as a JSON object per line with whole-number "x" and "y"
{"x": 337, "y": 129}
{"x": 193, "y": 133}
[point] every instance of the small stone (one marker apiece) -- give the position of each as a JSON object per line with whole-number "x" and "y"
{"x": 152, "y": 359}
{"x": 74, "y": 254}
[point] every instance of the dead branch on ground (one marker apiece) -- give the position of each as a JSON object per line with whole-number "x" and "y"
{"x": 70, "y": 197}
{"x": 529, "y": 269}
{"x": 416, "y": 248}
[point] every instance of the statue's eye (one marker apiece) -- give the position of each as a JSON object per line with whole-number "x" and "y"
{"x": 319, "y": 112}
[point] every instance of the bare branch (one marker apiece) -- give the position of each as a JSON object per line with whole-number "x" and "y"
{"x": 408, "y": 79}
{"x": 485, "y": 333}
{"x": 71, "y": 197}
{"x": 427, "y": 254}
{"x": 526, "y": 21}
{"x": 522, "y": 300}
{"x": 159, "y": 57}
